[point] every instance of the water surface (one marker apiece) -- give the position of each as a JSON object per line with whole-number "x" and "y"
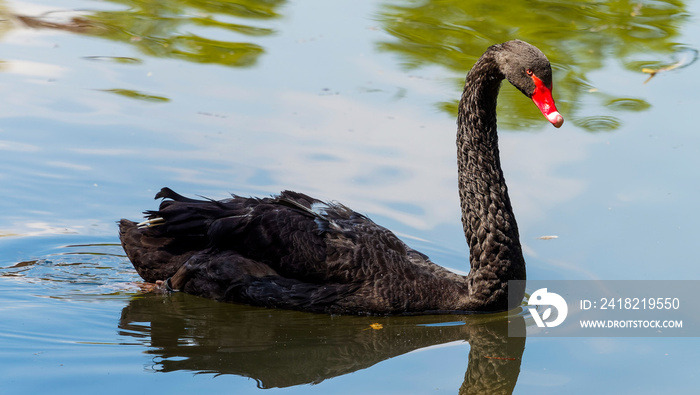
{"x": 106, "y": 102}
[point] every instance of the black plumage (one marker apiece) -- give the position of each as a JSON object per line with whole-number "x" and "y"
{"x": 293, "y": 251}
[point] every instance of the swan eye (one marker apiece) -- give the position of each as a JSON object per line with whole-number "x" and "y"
{"x": 529, "y": 72}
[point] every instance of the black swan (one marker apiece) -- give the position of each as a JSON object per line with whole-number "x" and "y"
{"x": 295, "y": 252}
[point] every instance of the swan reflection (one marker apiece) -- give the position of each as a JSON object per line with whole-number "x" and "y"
{"x": 281, "y": 348}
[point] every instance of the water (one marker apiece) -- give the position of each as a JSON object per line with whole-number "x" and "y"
{"x": 349, "y": 102}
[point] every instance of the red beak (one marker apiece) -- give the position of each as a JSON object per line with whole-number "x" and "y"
{"x": 543, "y": 100}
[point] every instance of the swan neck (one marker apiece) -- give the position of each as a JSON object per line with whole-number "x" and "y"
{"x": 487, "y": 215}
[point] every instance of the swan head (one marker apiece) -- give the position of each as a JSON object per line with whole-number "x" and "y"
{"x": 528, "y": 69}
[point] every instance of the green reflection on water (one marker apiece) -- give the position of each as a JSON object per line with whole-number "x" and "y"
{"x": 137, "y": 95}
{"x": 163, "y": 28}
{"x": 114, "y": 59}
{"x": 155, "y": 27}
{"x": 577, "y": 37}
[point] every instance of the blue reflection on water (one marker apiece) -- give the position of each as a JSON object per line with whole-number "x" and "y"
{"x": 322, "y": 112}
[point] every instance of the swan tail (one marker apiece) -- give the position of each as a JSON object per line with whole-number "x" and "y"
{"x": 154, "y": 258}
{"x": 283, "y": 231}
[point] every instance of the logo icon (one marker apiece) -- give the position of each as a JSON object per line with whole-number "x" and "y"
{"x": 543, "y": 298}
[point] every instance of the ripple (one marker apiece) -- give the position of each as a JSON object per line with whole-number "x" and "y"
{"x": 597, "y": 123}
{"x": 85, "y": 270}
{"x": 628, "y": 104}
